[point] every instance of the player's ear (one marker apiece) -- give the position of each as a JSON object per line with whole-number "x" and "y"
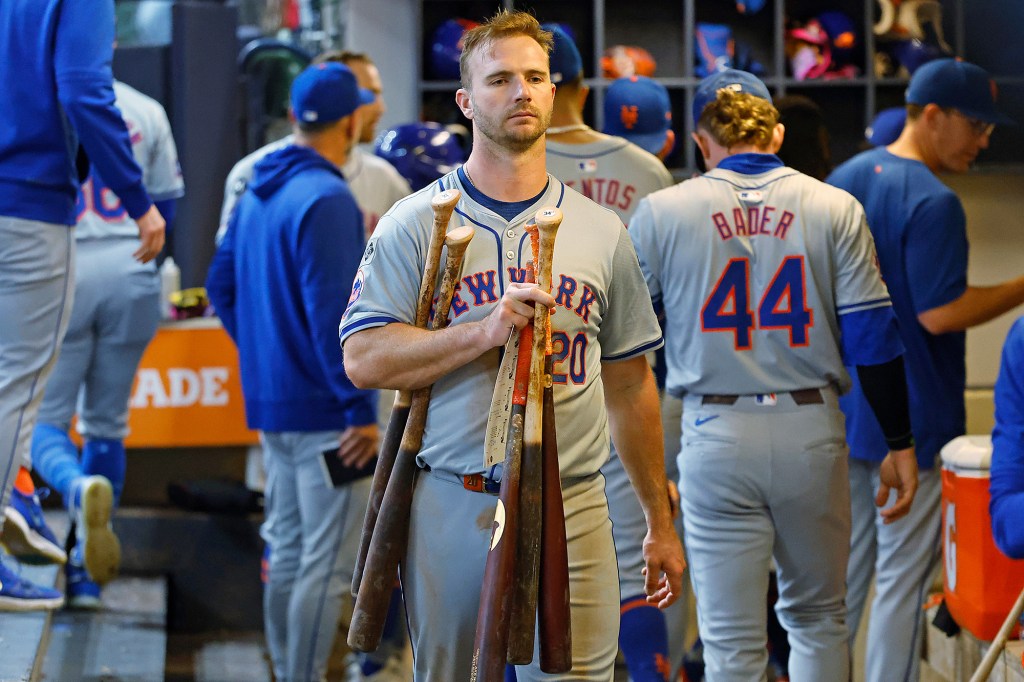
{"x": 582, "y": 94}
{"x": 778, "y": 135}
{"x": 702, "y": 144}
{"x": 465, "y": 102}
{"x": 670, "y": 144}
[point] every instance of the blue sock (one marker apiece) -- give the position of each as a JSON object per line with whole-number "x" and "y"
{"x": 55, "y": 458}
{"x": 106, "y": 457}
{"x": 510, "y": 673}
{"x": 643, "y": 638}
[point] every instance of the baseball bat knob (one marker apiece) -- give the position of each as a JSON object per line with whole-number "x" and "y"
{"x": 458, "y": 238}
{"x": 548, "y": 217}
{"x": 444, "y": 202}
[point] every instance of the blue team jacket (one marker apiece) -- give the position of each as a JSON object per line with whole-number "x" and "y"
{"x": 280, "y": 280}
{"x": 56, "y": 93}
{"x": 1007, "y": 484}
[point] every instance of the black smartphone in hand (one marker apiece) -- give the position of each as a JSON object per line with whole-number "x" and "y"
{"x": 337, "y": 473}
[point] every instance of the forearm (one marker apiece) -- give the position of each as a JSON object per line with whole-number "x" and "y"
{"x": 975, "y": 306}
{"x": 403, "y": 357}
{"x": 885, "y": 388}
{"x": 634, "y": 421}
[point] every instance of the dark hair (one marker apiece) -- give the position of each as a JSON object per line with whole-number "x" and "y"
{"x": 316, "y": 127}
{"x": 805, "y": 146}
{"x": 342, "y": 57}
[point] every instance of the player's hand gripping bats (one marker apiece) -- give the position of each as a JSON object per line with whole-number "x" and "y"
{"x": 511, "y": 582}
{"x": 442, "y": 204}
{"x": 391, "y": 531}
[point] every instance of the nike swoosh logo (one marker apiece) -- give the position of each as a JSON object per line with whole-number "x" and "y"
{"x": 705, "y": 420}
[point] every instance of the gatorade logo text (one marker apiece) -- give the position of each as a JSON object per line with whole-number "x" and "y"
{"x": 182, "y": 387}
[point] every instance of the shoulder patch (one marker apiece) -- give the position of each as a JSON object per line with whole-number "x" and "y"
{"x": 357, "y": 290}
{"x": 369, "y": 252}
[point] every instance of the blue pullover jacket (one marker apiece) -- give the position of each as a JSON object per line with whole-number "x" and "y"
{"x": 280, "y": 280}
{"x": 56, "y": 92}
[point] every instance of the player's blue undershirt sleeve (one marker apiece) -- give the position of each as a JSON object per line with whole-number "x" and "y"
{"x": 84, "y": 49}
{"x": 1007, "y": 473}
{"x": 869, "y": 337}
{"x": 330, "y": 248}
{"x": 220, "y": 281}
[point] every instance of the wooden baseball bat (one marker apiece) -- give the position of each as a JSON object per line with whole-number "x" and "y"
{"x": 992, "y": 655}
{"x": 496, "y": 595}
{"x": 442, "y": 205}
{"x": 554, "y": 620}
{"x": 391, "y": 531}
{"x": 527, "y": 582}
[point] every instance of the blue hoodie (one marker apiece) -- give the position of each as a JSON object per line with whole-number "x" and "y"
{"x": 280, "y": 281}
{"x": 56, "y": 92}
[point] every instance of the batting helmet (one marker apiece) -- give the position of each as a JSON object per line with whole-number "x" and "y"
{"x": 446, "y": 48}
{"x": 623, "y": 61}
{"x": 421, "y": 152}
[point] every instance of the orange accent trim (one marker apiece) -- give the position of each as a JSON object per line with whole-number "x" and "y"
{"x": 23, "y": 482}
{"x": 473, "y": 482}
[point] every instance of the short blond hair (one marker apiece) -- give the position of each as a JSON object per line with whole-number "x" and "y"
{"x": 504, "y": 24}
{"x": 739, "y": 118}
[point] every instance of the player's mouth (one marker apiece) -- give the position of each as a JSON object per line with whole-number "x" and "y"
{"x": 522, "y": 114}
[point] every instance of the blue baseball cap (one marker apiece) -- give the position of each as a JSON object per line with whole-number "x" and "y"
{"x": 886, "y": 126}
{"x": 733, "y": 79}
{"x": 327, "y": 92}
{"x": 566, "y": 62}
{"x": 957, "y": 85}
{"x": 638, "y": 109}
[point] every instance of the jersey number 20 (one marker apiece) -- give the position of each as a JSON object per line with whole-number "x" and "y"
{"x": 783, "y": 304}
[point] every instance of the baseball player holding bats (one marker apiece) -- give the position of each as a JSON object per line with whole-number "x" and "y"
{"x": 602, "y": 325}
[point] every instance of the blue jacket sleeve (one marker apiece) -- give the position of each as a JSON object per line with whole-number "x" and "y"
{"x": 330, "y": 246}
{"x": 84, "y": 49}
{"x": 1007, "y": 484}
{"x": 220, "y": 280}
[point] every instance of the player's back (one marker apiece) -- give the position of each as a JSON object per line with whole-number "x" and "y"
{"x": 611, "y": 171}
{"x": 100, "y": 213}
{"x": 748, "y": 269}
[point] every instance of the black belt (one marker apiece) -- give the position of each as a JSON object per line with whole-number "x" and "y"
{"x": 803, "y": 396}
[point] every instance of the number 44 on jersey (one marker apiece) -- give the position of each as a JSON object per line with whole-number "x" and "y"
{"x": 783, "y": 304}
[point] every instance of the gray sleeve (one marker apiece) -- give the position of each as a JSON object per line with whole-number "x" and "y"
{"x": 162, "y": 174}
{"x": 859, "y": 284}
{"x": 387, "y": 283}
{"x": 629, "y": 326}
{"x": 642, "y": 232}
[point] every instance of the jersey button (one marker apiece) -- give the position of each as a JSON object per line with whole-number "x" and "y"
{"x": 511, "y": 234}
{"x": 510, "y": 254}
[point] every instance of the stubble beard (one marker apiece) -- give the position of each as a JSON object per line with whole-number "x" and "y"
{"x": 517, "y": 140}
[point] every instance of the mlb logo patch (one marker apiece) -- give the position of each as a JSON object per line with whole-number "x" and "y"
{"x": 587, "y": 166}
{"x": 767, "y": 399}
{"x": 751, "y": 196}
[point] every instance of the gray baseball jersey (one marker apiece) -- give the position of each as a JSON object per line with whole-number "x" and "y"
{"x": 374, "y": 182}
{"x": 771, "y": 261}
{"x": 754, "y": 264}
{"x": 603, "y": 312}
{"x": 611, "y": 171}
{"x": 100, "y": 213}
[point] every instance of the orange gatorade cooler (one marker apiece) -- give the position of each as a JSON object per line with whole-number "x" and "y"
{"x": 980, "y": 583}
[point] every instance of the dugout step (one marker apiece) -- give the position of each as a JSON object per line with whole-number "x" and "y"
{"x": 212, "y": 562}
{"x": 125, "y": 640}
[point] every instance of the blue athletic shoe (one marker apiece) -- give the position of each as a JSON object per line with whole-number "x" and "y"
{"x": 82, "y": 592}
{"x": 18, "y": 594}
{"x": 92, "y": 502}
{"x": 26, "y": 535}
